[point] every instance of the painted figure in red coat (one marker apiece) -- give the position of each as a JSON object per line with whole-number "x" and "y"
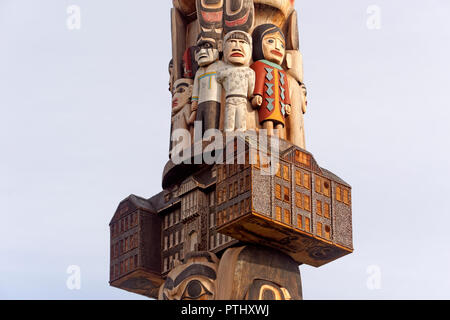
{"x": 271, "y": 95}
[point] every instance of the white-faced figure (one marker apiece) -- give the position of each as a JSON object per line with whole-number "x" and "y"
{"x": 207, "y": 92}
{"x": 237, "y": 78}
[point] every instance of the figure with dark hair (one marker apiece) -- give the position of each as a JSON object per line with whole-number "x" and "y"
{"x": 207, "y": 92}
{"x": 271, "y": 94}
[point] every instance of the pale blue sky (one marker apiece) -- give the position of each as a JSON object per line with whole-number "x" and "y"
{"x": 84, "y": 122}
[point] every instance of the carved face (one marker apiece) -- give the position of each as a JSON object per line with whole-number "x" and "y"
{"x": 194, "y": 280}
{"x": 274, "y": 48}
{"x": 237, "y": 49}
{"x": 206, "y": 51}
{"x": 182, "y": 92}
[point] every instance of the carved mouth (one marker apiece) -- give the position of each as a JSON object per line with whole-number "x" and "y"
{"x": 237, "y": 54}
{"x": 277, "y": 53}
{"x": 175, "y": 103}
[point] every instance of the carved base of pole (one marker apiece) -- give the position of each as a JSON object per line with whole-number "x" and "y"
{"x": 243, "y": 273}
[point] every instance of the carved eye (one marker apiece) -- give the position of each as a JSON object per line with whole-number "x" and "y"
{"x": 271, "y": 41}
{"x": 194, "y": 291}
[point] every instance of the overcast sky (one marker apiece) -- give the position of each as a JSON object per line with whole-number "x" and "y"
{"x": 84, "y": 122}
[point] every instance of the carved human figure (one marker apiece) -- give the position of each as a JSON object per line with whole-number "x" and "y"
{"x": 182, "y": 117}
{"x": 271, "y": 94}
{"x": 237, "y": 79}
{"x": 295, "y": 130}
{"x": 193, "y": 280}
{"x": 207, "y": 92}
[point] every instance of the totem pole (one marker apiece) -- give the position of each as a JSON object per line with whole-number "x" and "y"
{"x": 237, "y": 229}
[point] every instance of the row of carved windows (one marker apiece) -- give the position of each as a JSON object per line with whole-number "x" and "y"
{"x": 303, "y": 179}
{"x": 173, "y": 239}
{"x": 303, "y": 158}
{"x": 218, "y": 239}
{"x": 233, "y": 212}
{"x": 227, "y": 170}
{"x": 124, "y": 266}
{"x": 124, "y": 245}
{"x": 124, "y": 224}
{"x": 343, "y": 195}
{"x": 283, "y": 215}
{"x": 323, "y": 210}
{"x": 323, "y": 186}
{"x": 233, "y": 189}
{"x": 168, "y": 261}
{"x": 189, "y": 201}
{"x": 283, "y": 172}
{"x": 283, "y": 193}
{"x": 172, "y": 218}
{"x": 303, "y": 201}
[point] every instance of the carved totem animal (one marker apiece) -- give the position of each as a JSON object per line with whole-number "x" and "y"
{"x": 210, "y": 16}
{"x": 238, "y": 15}
{"x": 271, "y": 94}
{"x": 237, "y": 79}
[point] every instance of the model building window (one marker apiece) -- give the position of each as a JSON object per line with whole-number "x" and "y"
{"x": 308, "y": 224}
{"x": 306, "y": 202}
{"x": 117, "y": 249}
{"x": 298, "y": 178}
{"x": 327, "y": 232}
{"x": 299, "y": 221}
{"x": 318, "y": 185}
{"x": 166, "y": 243}
{"x": 319, "y": 207}
{"x": 278, "y": 174}
{"x": 326, "y": 187}
{"x": 211, "y": 220}
{"x": 236, "y": 210}
{"x": 302, "y": 158}
{"x": 319, "y": 229}
{"x": 247, "y": 182}
{"x": 230, "y": 191}
{"x": 236, "y": 190}
{"x": 287, "y": 216}
{"x": 298, "y": 200}
{"x": 338, "y": 194}
{"x": 219, "y": 173}
{"x": 307, "y": 181}
{"x": 346, "y": 196}
{"x": 278, "y": 213}
{"x": 287, "y": 195}
{"x": 136, "y": 260}
{"x": 286, "y": 173}
{"x": 278, "y": 192}
{"x": 326, "y": 208}
{"x": 242, "y": 207}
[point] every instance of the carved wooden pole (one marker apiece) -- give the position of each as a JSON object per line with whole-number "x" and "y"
{"x": 241, "y": 229}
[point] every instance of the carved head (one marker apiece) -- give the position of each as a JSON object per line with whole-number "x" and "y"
{"x": 207, "y": 50}
{"x": 237, "y": 48}
{"x": 182, "y": 92}
{"x": 193, "y": 280}
{"x": 269, "y": 43}
{"x": 238, "y": 15}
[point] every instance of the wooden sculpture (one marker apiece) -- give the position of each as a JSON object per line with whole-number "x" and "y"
{"x": 182, "y": 116}
{"x": 237, "y": 229}
{"x": 237, "y": 79}
{"x": 271, "y": 95}
{"x": 207, "y": 92}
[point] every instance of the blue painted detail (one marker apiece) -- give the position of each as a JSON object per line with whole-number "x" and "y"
{"x": 270, "y": 105}
{"x": 282, "y": 94}
{"x": 269, "y": 90}
{"x": 269, "y": 75}
{"x": 283, "y": 109}
{"x": 282, "y": 80}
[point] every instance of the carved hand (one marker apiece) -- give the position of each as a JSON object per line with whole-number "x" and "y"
{"x": 288, "y": 110}
{"x": 257, "y": 101}
{"x": 194, "y": 106}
